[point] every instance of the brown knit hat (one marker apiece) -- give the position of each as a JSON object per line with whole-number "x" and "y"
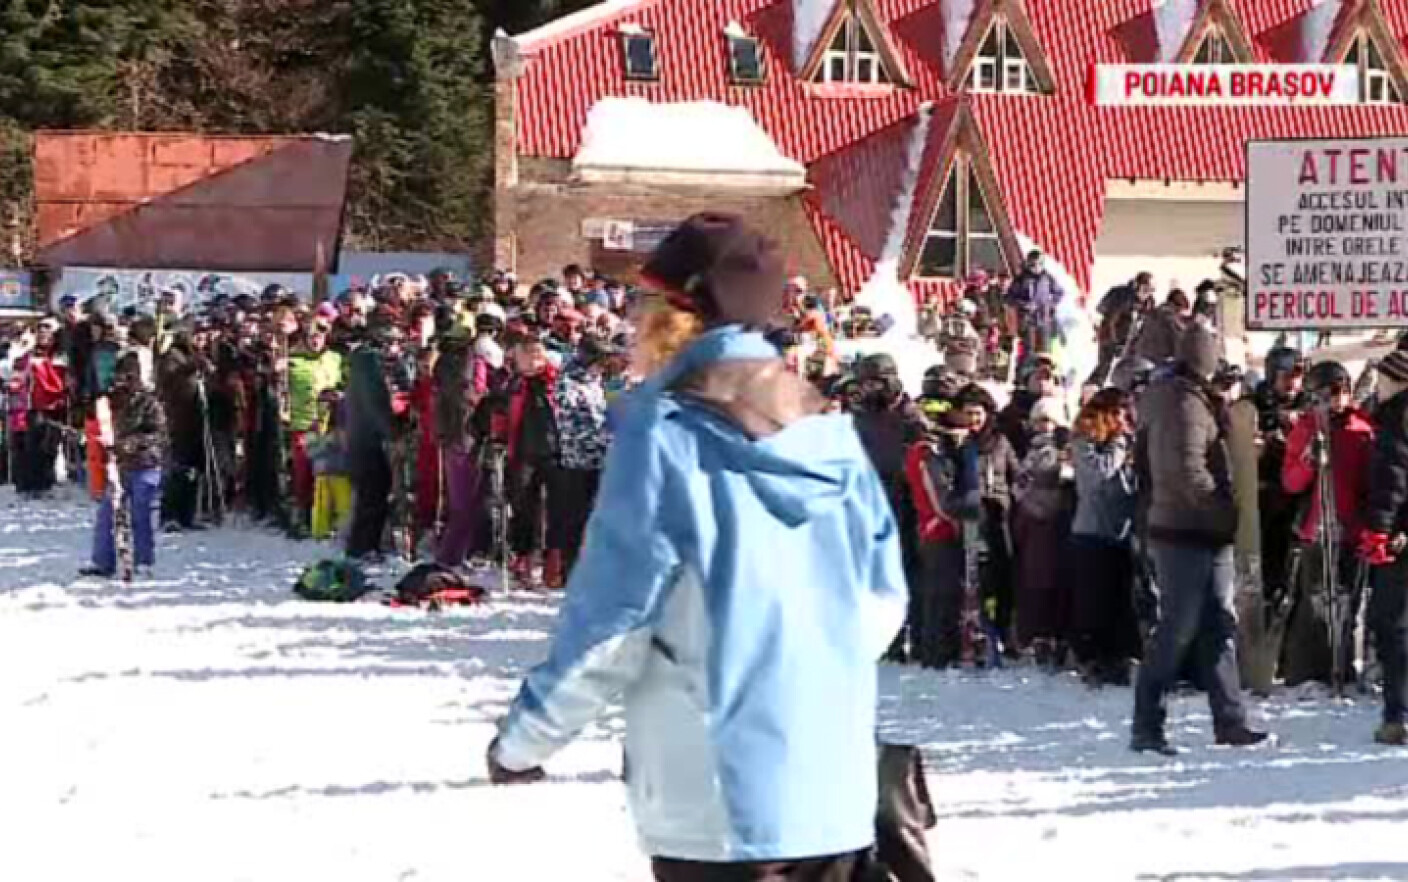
{"x": 716, "y": 266}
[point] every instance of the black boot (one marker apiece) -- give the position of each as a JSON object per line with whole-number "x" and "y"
{"x": 1239, "y": 736}
{"x": 1152, "y": 743}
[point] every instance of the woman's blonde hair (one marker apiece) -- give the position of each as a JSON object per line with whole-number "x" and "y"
{"x": 662, "y": 331}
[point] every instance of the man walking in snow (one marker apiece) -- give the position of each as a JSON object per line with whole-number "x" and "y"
{"x": 1192, "y": 522}
{"x": 740, "y": 578}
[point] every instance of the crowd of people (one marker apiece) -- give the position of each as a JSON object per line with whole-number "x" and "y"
{"x": 472, "y": 419}
{"x": 1103, "y": 528}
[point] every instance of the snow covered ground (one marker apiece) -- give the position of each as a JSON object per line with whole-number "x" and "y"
{"x": 206, "y": 726}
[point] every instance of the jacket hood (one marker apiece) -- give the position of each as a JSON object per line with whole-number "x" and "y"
{"x": 764, "y": 423}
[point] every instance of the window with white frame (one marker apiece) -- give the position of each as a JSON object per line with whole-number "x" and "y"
{"x": 1215, "y": 48}
{"x": 1000, "y": 65}
{"x": 638, "y": 49}
{"x": 852, "y": 56}
{"x": 745, "y": 59}
{"x": 1376, "y": 84}
{"x": 962, "y": 237}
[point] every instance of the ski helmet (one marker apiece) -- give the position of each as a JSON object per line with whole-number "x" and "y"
{"x": 1132, "y": 373}
{"x": 1281, "y": 360}
{"x": 940, "y": 382}
{"x": 1325, "y": 376}
{"x": 877, "y": 366}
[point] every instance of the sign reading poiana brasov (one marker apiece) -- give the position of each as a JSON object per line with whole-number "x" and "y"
{"x": 1327, "y": 224}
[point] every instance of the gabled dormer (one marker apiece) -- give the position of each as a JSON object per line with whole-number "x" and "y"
{"x": 1187, "y": 32}
{"x": 1361, "y": 37}
{"x": 1000, "y": 53}
{"x": 959, "y": 223}
{"x": 845, "y": 41}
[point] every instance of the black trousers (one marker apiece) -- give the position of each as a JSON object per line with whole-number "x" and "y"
{"x": 904, "y": 815}
{"x": 531, "y": 493}
{"x": 936, "y": 627}
{"x": 181, "y": 492}
{"x": 1388, "y": 621}
{"x": 40, "y": 447}
{"x": 837, "y": 868}
{"x": 1103, "y": 624}
{"x": 371, "y": 502}
{"x": 574, "y": 496}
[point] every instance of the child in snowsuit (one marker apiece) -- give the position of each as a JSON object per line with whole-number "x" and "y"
{"x": 332, "y": 482}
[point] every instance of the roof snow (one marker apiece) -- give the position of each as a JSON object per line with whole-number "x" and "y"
{"x": 1315, "y": 28}
{"x": 884, "y": 293}
{"x": 809, "y": 18}
{"x": 958, "y": 14}
{"x": 575, "y": 23}
{"x": 1172, "y": 21}
{"x": 631, "y": 136}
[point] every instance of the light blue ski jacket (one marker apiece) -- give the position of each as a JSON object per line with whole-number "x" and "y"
{"x": 738, "y": 593}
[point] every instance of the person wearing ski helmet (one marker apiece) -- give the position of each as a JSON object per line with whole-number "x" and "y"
{"x": 1278, "y": 400}
{"x": 889, "y": 424}
{"x": 1382, "y": 543}
{"x": 1332, "y": 418}
{"x": 1132, "y": 374}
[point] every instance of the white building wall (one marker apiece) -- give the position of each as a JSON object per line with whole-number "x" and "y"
{"x": 1180, "y": 242}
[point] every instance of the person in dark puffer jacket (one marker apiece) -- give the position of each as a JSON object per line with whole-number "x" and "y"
{"x": 139, "y": 446}
{"x": 1192, "y": 523}
{"x": 1381, "y": 545}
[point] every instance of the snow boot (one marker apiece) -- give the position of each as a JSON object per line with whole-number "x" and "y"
{"x": 1391, "y": 734}
{"x": 553, "y": 576}
{"x": 1239, "y": 736}
{"x": 93, "y": 572}
{"x": 1155, "y": 743}
{"x": 522, "y": 570}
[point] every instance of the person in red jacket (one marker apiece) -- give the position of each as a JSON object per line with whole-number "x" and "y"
{"x": 943, "y": 477}
{"x": 1351, "y": 445}
{"x": 46, "y": 389}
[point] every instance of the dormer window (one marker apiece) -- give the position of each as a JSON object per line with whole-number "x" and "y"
{"x": 745, "y": 57}
{"x": 1215, "y": 49}
{"x": 638, "y": 52}
{"x": 962, "y": 236}
{"x": 1376, "y": 84}
{"x": 852, "y": 56}
{"x": 1000, "y": 65}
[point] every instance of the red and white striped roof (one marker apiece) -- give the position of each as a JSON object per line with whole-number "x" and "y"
{"x": 1052, "y": 154}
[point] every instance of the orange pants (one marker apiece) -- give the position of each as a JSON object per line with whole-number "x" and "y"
{"x": 97, "y": 459}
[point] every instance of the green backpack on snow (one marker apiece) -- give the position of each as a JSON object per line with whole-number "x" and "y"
{"x": 332, "y": 581}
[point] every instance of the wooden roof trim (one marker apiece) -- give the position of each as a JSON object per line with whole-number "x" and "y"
{"x": 879, "y": 33}
{"x": 1219, "y": 14}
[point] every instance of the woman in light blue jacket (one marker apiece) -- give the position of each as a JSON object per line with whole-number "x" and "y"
{"x": 740, "y": 578}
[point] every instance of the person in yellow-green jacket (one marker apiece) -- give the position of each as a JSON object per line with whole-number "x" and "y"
{"x": 313, "y": 371}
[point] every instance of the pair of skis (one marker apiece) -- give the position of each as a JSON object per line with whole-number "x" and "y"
{"x": 980, "y": 638}
{"x": 117, "y": 495}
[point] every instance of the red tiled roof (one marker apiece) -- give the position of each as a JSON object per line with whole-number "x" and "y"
{"x": 1051, "y": 154}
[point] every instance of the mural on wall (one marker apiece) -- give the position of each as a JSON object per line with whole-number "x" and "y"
{"x": 140, "y": 289}
{"x": 16, "y": 290}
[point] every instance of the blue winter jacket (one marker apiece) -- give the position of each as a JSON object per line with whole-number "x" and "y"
{"x": 737, "y": 588}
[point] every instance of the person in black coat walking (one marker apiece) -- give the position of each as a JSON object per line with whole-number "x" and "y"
{"x": 1192, "y": 523}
